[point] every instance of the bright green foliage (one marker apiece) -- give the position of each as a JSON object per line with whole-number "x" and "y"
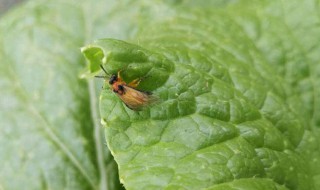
{"x": 231, "y": 113}
{"x": 237, "y": 81}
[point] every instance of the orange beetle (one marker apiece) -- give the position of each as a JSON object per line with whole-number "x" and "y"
{"x": 133, "y": 98}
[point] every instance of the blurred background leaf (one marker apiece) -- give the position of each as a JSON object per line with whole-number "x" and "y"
{"x": 50, "y": 128}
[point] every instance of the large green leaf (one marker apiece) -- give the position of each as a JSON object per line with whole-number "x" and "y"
{"x": 239, "y": 109}
{"x": 237, "y": 83}
{"x": 50, "y": 131}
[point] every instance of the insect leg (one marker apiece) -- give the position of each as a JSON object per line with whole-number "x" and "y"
{"x": 135, "y": 83}
{"x": 119, "y": 76}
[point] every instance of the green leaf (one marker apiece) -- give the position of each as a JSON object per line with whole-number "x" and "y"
{"x": 239, "y": 110}
{"x": 132, "y": 60}
{"x": 237, "y": 83}
{"x": 49, "y": 123}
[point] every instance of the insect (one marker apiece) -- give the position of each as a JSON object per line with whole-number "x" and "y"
{"x": 133, "y": 98}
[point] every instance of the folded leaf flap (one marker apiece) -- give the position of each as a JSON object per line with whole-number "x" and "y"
{"x": 132, "y": 60}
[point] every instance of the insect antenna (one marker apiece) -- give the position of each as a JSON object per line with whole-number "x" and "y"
{"x": 107, "y": 74}
{"x": 101, "y": 77}
{"x": 104, "y": 70}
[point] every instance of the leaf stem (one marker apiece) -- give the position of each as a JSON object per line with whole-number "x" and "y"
{"x": 97, "y": 135}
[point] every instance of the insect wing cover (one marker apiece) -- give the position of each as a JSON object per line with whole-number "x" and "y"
{"x": 136, "y": 99}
